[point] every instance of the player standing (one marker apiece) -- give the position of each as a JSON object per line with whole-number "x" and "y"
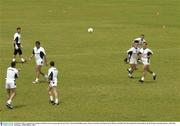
{"x": 52, "y": 89}
{"x": 132, "y": 59}
{"x": 10, "y": 85}
{"x": 145, "y": 54}
{"x": 17, "y": 45}
{"x": 40, "y": 58}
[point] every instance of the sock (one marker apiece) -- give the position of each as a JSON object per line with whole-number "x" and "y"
{"x": 142, "y": 78}
{"x": 153, "y": 74}
{"x": 130, "y": 75}
{"x": 51, "y": 98}
{"x": 22, "y": 60}
{"x": 56, "y": 101}
{"x": 9, "y": 101}
{"x": 37, "y": 80}
{"x": 129, "y": 69}
{"x": 13, "y": 59}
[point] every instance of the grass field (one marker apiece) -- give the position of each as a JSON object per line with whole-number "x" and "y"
{"x": 93, "y": 81}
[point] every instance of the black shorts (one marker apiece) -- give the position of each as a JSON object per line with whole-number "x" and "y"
{"x": 17, "y": 51}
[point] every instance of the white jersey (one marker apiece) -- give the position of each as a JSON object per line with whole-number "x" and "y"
{"x": 12, "y": 74}
{"x": 39, "y": 53}
{"x": 145, "y": 55}
{"x": 17, "y": 38}
{"x": 140, "y": 40}
{"x": 133, "y": 53}
{"x": 53, "y": 74}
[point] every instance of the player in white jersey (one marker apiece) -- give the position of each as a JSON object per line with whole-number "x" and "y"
{"x": 40, "y": 58}
{"x": 132, "y": 59}
{"x": 17, "y": 45}
{"x": 139, "y": 40}
{"x": 10, "y": 84}
{"x": 145, "y": 54}
{"x": 52, "y": 89}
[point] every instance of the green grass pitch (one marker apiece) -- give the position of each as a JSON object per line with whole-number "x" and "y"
{"x": 93, "y": 82}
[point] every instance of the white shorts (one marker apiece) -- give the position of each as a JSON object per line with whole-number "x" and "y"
{"x": 52, "y": 84}
{"x": 39, "y": 62}
{"x": 146, "y": 61}
{"x": 133, "y": 61}
{"x": 10, "y": 84}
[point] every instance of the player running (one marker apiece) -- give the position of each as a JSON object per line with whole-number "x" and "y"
{"x": 145, "y": 54}
{"x": 132, "y": 59}
{"x": 10, "y": 84}
{"x": 52, "y": 89}
{"x": 17, "y": 45}
{"x": 140, "y": 40}
{"x": 40, "y": 58}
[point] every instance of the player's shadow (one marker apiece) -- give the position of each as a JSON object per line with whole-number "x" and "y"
{"x": 43, "y": 81}
{"x": 20, "y": 62}
{"x": 19, "y": 106}
{"x": 150, "y": 82}
{"x": 137, "y": 78}
{"x": 146, "y": 81}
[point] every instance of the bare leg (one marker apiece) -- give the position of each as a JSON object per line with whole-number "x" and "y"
{"x": 22, "y": 59}
{"x": 8, "y": 94}
{"x": 40, "y": 72}
{"x": 148, "y": 69}
{"x": 13, "y": 94}
{"x": 37, "y": 72}
{"x": 55, "y": 95}
{"x": 50, "y": 93}
{"x": 144, "y": 73}
{"x": 133, "y": 68}
{"x": 151, "y": 72}
{"x": 14, "y": 58}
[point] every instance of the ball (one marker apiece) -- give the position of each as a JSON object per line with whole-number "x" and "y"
{"x": 90, "y": 30}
